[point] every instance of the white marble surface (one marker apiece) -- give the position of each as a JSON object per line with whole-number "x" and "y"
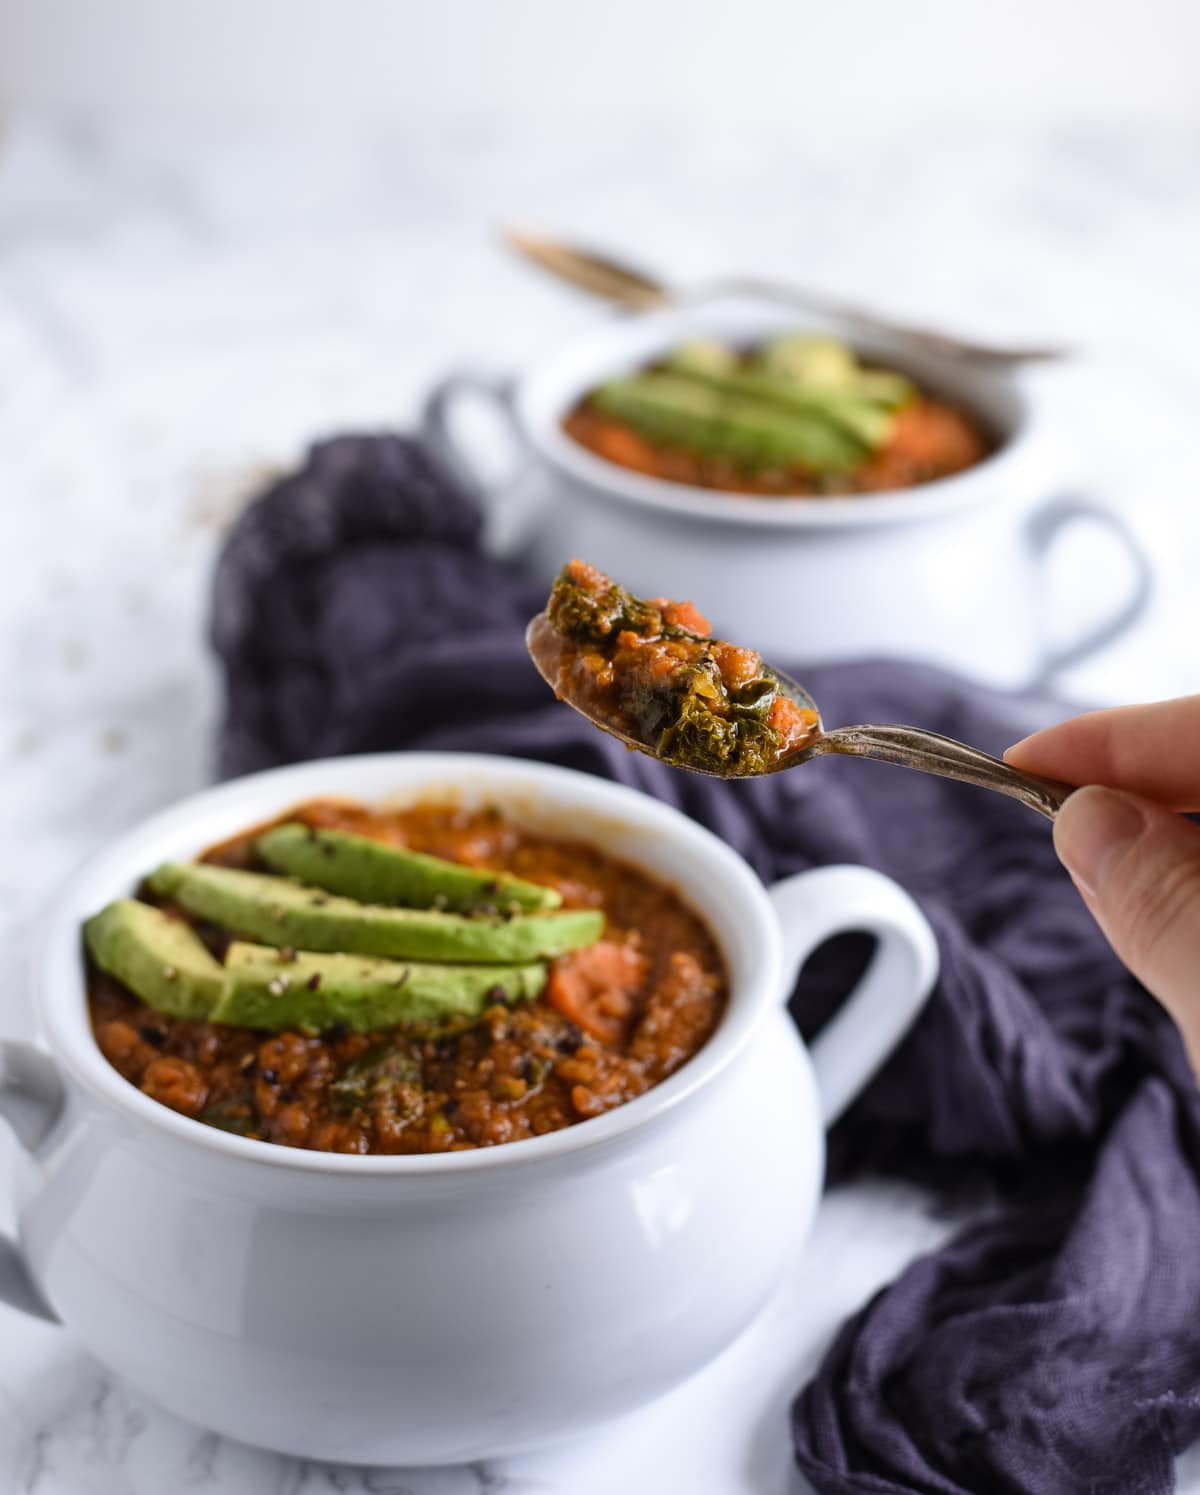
{"x": 174, "y": 321}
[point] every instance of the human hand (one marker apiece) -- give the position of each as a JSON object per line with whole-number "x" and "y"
{"x": 1135, "y": 862}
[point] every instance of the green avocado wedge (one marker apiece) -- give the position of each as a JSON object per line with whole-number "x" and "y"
{"x": 374, "y": 872}
{"x": 809, "y": 358}
{"x": 160, "y": 959}
{"x": 689, "y": 411}
{"x": 704, "y": 355}
{"x": 284, "y": 913}
{"x": 824, "y": 365}
{"x": 862, "y": 418}
{"x": 268, "y": 989}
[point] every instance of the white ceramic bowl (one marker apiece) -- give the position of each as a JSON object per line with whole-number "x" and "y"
{"x": 952, "y": 571}
{"x": 444, "y": 1308}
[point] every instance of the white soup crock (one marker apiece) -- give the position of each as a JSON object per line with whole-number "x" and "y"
{"x": 954, "y": 572}
{"x": 429, "y": 1309}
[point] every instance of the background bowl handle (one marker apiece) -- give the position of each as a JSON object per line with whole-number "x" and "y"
{"x": 813, "y": 906}
{"x": 31, "y": 1101}
{"x": 505, "y": 524}
{"x": 437, "y": 418}
{"x": 1043, "y": 529}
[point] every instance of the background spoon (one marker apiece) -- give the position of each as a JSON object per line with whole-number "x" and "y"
{"x": 603, "y": 276}
{"x": 909, "y": 747}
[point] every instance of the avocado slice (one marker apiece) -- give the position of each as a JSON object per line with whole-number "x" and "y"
{"x": 160, "y": 959}
{"x": 686, "y": 410}
{"x": 822, "y": 364}
{"x": 275, "y": 990}
{"x": 866, "y": 420}
{"x": 702, "y": 354}
{"x": 886, "y": 387}
{"x": 281, "y": 912}
{"x": 809, "y": 358}
{"x": 374, "y": 872}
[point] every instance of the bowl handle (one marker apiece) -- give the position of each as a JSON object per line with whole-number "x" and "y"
{"x": 1043, "y": 529}
{"x": 505, "y": 532}
{"x": 813, "y": 906}
{"x": 31, "y": 1101}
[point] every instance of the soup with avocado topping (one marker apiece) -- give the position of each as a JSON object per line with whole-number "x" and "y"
{"x": 800, "y": 416}
{"x": 378, "y": 980}
{"x": 649, "y": 671}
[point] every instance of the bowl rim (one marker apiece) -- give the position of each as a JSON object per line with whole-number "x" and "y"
{"x": 60, "y": 989}
{"x": 538, "y": 410}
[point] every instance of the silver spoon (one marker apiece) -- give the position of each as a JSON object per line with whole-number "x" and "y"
{"x": 910, "y": 747}
{"x": 603, "y": 276}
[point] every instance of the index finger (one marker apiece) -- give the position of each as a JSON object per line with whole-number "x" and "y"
{"x": 1151, "y": 750}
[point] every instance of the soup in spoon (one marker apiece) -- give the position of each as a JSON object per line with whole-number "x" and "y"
{"x": 650, "y": 672}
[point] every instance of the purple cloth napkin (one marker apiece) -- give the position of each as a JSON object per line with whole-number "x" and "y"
{"x": 1053, "y": 1346}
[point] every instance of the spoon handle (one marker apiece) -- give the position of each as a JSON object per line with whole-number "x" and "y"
{"x": 930, "y": 752}
{"x": 613, "y": 279}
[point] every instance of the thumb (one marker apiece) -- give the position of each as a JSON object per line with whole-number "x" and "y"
{"x": 1138, "y": 868}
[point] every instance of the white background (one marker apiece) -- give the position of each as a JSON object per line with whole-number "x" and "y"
{"x": 226, "y": 227}
{"x": 342, "y": 68}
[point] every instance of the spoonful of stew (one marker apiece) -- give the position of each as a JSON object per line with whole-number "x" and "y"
{"x": 651, "y": 674}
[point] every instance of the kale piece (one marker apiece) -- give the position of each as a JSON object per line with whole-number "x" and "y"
{"x": 377, "y": 1078}
{"x": 577, "y": 613}
{"x": 700, "y": 738}
{"x": 236, "y": 1115}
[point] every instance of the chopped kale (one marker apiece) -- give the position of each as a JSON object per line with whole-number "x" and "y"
{"x": 703, "y": 739}
{"x": 691, "y": 700}
{"x": 578, "y": 613}
{"x": 377, "y": 1078}
{"x": 236, "y": 1116}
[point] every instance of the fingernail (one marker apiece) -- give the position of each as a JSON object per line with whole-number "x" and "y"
{"x": 1093, "y": 829}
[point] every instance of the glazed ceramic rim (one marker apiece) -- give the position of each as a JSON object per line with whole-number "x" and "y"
{"x": 545, "y": 395}
{"x": 58, "y": 972}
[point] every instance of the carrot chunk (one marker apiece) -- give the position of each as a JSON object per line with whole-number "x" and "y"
{"x": 738, "y": 666}
{"x": 795, "y": 724}
{"x": 597, "y": 987}
{"x": 590, "y": 578}
{"x": 683, "y": 615}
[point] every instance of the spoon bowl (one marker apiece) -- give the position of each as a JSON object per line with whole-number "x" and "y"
{"x": 906, "y": 747}
{"x": 544, "y": 644}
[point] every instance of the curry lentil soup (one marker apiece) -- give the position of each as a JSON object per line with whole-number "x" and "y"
{"x": 797, "y": 417}
{"x": 610, "y": 1018}
{"x": 650, "y": 671}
